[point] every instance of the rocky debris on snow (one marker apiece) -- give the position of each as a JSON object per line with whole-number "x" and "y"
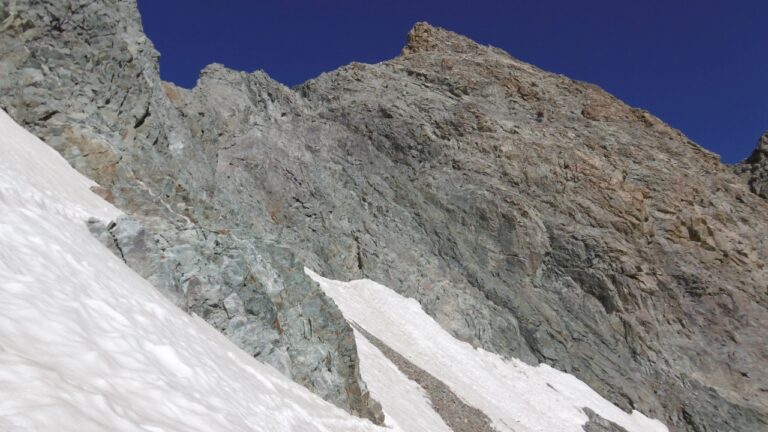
{"x": 531, "y": 215}
{"x": 457, "y": 414}
{"x": 599, "y": 424}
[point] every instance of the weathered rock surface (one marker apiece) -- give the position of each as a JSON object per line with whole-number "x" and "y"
{"x": 755, "y": 168}
{"x": 599, "y": 424}
{"x": 530, "y": 214}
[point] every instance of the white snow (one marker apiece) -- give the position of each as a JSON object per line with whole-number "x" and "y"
{"x": 403, "y": 401}
{"x": 515, "y": 396}
{"x": 87, "y": 345}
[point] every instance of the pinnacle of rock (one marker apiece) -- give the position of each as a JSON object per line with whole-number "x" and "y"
{"x": 761, "y": 152}
{"x": 755, "y": 168}
{"x": 423, "y": 37}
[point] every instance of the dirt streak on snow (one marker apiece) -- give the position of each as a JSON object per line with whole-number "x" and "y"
{"x": 403, "y": 401}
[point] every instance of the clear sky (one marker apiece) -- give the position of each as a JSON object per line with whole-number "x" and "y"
{"x": 700, "y": 65}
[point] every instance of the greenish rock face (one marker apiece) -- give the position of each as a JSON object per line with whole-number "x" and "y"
{"x": 530, "y": 214}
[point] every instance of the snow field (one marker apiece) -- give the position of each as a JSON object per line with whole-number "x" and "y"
{"x": 515, "y": 396}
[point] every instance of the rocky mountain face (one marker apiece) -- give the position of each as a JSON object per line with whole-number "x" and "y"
{"x": 531, "y": 215}
{"x": 84, "y": 77}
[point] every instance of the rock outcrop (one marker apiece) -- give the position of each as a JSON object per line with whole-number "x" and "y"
{"x": 755, "y": 168}
{"x": 530, "y": 214}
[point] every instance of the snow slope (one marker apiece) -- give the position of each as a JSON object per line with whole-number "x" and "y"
{"x": 515, "y": 396}
{"x": 403, "y": 401}
{"x": 87, "y": 345}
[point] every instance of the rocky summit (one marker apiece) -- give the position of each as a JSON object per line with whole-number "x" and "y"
{"x": 755, "y": 168}
{"x": 531, "y": 215}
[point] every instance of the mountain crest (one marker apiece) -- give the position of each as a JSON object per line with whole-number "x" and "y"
{"x": 756, "y": 165}
{"x": 761, "y": 152}
{"x": 424, "y": 37}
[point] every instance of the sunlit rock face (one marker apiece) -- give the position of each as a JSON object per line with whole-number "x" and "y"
{"x": 531, "y": 215}
{"x": 755, "y": 168}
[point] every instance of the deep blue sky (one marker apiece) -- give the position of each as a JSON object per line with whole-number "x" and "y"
{"x": 700, "y": 65}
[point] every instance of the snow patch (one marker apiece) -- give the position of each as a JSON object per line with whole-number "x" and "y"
{"x": 403, "y": 401}
{"x": 516, "y": 397}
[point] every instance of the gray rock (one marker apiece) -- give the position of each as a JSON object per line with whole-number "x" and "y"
{"x": 264, "y": 305}
{"x": 530, "y": 214}
{"x": 599, "y": 424}
{"x": 755, "y": 168}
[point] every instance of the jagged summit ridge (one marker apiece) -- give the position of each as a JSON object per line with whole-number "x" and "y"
{"x": 755, "y": 167}
{"x": 424, "y": 37}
